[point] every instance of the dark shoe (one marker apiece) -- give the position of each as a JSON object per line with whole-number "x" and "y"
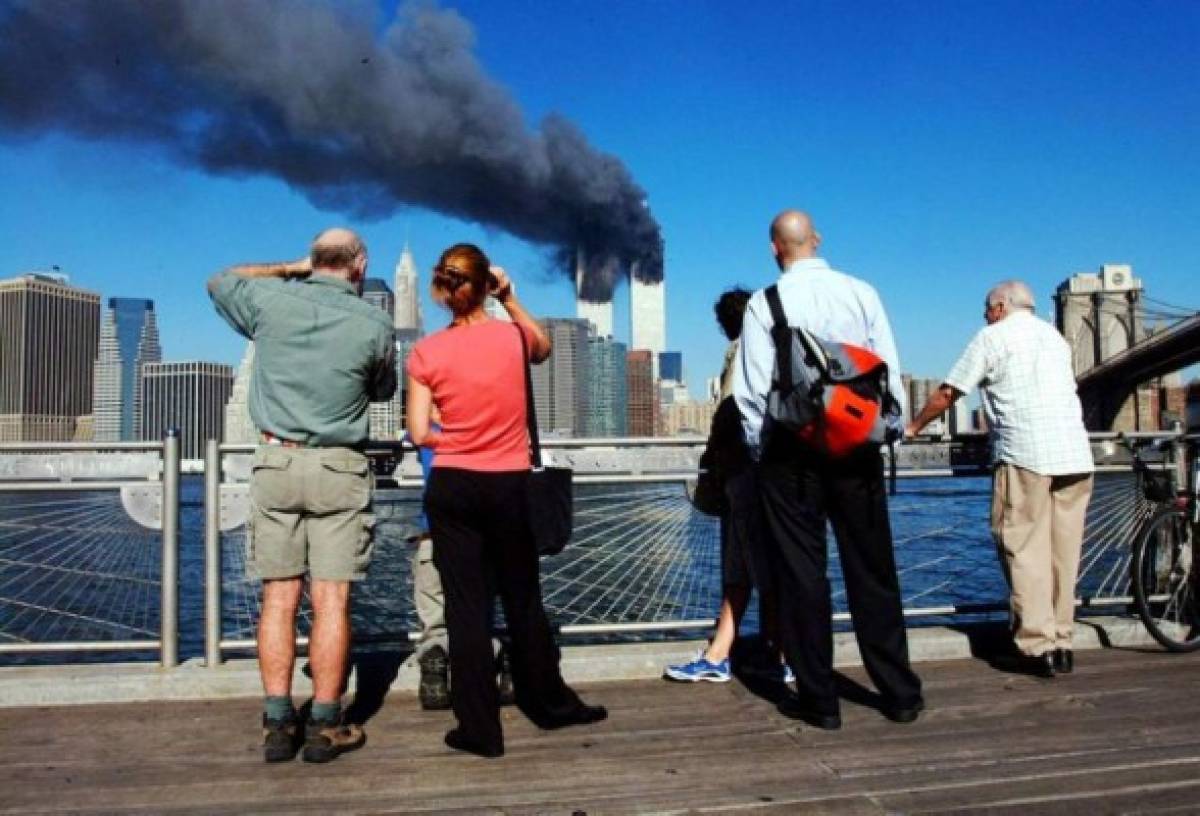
{"x": 434, "y": 690}
{"x": 1064, "y": 661}
{"x": 1037, "y": 665}
{"x": 504, "y": 681}
{"x": 904, "y": 713}
{"x": 456, "y": 740}
{"x": 584, "y": 715}
{"x": 326, "y": 740}
{"x": 791, "y": 707}
{"x": 281, "y": 739}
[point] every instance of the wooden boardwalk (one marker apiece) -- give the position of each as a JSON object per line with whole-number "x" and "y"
{"x": 1120, "y": 735}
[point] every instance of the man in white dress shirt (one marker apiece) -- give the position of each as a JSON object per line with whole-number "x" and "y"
{"x": 802, "y": 490}
{"x": 1043, "y": 467}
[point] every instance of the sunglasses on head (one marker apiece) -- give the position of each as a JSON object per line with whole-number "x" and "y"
{"x": 451, "y": 278}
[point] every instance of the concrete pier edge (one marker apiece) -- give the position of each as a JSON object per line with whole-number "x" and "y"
{"x": 87, "y": 684}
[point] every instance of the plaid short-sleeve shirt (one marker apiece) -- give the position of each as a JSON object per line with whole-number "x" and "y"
{"x": 1022, "y": 366}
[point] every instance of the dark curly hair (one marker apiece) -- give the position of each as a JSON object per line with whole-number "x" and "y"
{"x": 730, "y": 308}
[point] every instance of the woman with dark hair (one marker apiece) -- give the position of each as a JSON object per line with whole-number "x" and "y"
{"x": 473, "y": 371}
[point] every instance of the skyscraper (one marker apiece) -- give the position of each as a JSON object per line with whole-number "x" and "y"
{"x": 239, "y": 427}
{"x": 406, "y": 339}
{"x": 407, "y": 293}
{"x": 607, "y": 388}
{"x": 128, "y": 340}
{"x": 642, "y": 397}
{"x": 49, "y": 332}
{"x": 600, "y": 314}
{"x": 381, "y": 416}
{"x": 670, "y": 365}
{"x": 560, "y": 384}
{"x": 647, "y": 316}
{"x": 190, "y": 396}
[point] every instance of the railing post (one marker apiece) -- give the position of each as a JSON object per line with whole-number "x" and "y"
{"x": 170, "y": 550}
{"x": 212, "y": 554}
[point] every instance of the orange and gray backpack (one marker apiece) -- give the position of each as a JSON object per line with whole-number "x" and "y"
{"x": 833, "y": 396}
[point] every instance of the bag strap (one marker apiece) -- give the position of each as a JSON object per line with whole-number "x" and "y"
{"x": 535, "y": 444}
{"x": 781, "y": 335}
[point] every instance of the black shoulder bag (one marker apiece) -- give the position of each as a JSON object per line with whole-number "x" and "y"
{"x": 548, "y": 496}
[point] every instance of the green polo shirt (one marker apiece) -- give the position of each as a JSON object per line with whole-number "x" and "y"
{"x": 321, "y": 355}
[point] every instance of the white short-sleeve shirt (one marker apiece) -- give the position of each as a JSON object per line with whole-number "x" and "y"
{"x": 1022, "y": 366}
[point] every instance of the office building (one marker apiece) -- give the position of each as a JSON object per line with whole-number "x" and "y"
{"x": 190, "y": 396}
{"x": 239, "y": 427}
{"x": 560, "y": 384}
{"x": 376, "y": 292}
{"x": 407, "y": 294}
{"x": 128, "y": 340}
{"x": 670, "y": 366}
{"x": 642, "y": 399}
{"x": 687, "y": 418}
{"x": 381, "y": 416}
{"x": 919, "y": 389}
{"x": 648, "y": 317}
{"x": 599, "y": 314}
{"x": 607, "y": 388}
{"x": 49, "y": 335}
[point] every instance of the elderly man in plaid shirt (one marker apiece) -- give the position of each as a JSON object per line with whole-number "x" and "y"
{"x": 1043, "y": 468}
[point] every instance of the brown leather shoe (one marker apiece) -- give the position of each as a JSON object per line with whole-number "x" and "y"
{"x": 325, "y": 741}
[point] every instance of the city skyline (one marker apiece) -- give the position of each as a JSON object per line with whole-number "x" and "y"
{"x": 940, "y": 149}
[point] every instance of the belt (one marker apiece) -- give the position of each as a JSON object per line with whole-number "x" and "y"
{"x": 271, "y": 439}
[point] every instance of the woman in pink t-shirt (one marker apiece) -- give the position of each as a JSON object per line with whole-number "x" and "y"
{"x": 473, "y": 371}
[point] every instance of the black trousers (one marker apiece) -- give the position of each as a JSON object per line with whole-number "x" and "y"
{"x": 801, "y": 491}
{"x": 482, "y": 547}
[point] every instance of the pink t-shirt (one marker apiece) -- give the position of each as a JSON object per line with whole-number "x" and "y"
{"x": 477, "y": 378}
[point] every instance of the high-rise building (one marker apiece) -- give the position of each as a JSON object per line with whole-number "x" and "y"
{"x": 190, "y": 396}
{"x": 600, "y": 314}
{"x": 381, "y": 416}
{"x": 376, "y": 292}
{"x": 49, "y": 333}
{"x": 607, "y": 388}
{"x": 560, "y": 384}
{"x": 407, "y": 293}
{"x": 647, "y": 316}
{"x": 239, "y": 427}
{"x": 688, "y": 418}
{"x": 670, "y": 366}
{"x": 642, "y": 398}
{"x": 128, "y": 340}
{"x": 919, "y": 389}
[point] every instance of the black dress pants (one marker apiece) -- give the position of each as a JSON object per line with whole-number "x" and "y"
{"x": 482, "y": 546}
{"x": 801, "y": 491}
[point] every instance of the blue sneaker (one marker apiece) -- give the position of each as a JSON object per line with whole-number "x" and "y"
{"x": 700, "y": 669}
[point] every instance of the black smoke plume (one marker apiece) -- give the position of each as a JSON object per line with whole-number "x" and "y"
{"x": 358, "y": 119}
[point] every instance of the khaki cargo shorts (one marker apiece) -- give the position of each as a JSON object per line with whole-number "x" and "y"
{"x": 310, "y": 511}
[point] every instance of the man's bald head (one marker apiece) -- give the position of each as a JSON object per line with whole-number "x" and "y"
{"x": 339, "y": 250}
{"x": 793, "y": 237}
{"x": 1005, "y": 298}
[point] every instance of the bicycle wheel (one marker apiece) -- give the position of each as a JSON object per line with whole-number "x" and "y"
{"x": 1164, "y": 582}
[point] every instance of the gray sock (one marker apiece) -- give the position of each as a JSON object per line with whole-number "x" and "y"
{"x": 279, "y": 708}
{"x": 326, "y": 712}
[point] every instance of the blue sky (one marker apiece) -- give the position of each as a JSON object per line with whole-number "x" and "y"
{"x": 940, "y": 146}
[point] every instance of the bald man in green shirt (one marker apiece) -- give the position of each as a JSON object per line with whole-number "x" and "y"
{"x": 322, "y": 355}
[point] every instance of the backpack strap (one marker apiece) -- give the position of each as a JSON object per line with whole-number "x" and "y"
{"x": 782, "y": 336}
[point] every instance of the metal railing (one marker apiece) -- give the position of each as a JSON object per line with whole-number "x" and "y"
{"x": 644, "y": 562}
{"x": 82, "y": 555}
{"x": 80, "y": 572}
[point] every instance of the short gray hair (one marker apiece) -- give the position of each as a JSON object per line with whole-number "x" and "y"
{"x": 1013, "y": 293}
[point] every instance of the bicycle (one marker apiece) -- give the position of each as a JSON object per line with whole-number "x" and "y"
{"x": 1164, "y": 571}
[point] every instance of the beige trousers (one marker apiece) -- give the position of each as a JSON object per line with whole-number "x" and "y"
{"x": 1037, "y": 522}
